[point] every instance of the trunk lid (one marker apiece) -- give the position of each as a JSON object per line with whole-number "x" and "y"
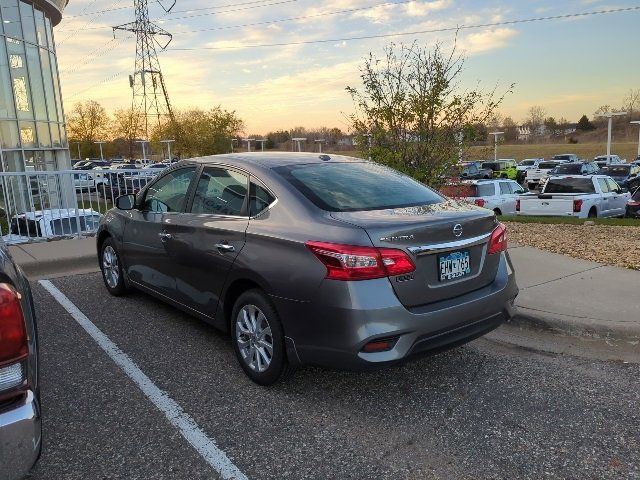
{"x": 426, "y": 233}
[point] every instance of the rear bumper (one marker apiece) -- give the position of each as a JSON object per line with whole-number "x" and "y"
{"x": 20, "y": 438}
{"x": 332, "y": 330}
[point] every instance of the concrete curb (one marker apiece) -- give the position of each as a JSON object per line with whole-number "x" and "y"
{"x": 60, "y": 267}
{"x": 562, "y": 324}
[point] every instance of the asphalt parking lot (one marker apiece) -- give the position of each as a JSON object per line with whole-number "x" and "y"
{"x": 479, "y": 411}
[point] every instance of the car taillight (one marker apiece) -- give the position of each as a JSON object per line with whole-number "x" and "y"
{"x": 481, "y": 202}
{"x": 14, "y": 343}
{"x": 577, "y": 205}
{"x": 498, "y": 240}
{"x": 350, "y": 262}
{"x": 633, "y": 203}
{"x": 518, "y": 205}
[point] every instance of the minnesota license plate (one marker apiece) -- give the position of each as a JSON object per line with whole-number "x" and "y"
{"x": 454, "y": 265}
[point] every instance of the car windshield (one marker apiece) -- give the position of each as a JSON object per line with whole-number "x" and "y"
{"x": 568, "y": 168}
{"x": 527, "y": 163}
{"x": 570, "y": 185}
{"x": 468, "y": 190}
{"x": 622, "y": 171}
{"x": 349, "y": 187}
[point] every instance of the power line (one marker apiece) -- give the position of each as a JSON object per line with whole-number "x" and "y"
{"x": 417, "y": 32}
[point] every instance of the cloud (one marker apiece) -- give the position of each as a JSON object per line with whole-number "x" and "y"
{"x": 484, "y": 41}
{"x": 419, "y": 9}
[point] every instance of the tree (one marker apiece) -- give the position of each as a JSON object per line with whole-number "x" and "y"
{"x": 87, "y": 123}
{"x": 127, "y": 124}
{"x": 412, "y": 104}
{"x": 551, "y": 125}
{"x": 585, "y": 124}
{"x": 201, "y": 132}
{"x": 510, "y": 129}
{"x": 535, "y": 119}
{"x": 631, "y": 101}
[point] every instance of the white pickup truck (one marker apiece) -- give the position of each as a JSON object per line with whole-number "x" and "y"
{"x": 535, "y": 175}
{"x": 572, "y": 196}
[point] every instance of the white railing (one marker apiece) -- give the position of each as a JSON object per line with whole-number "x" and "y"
{"x": 44, "y": 205}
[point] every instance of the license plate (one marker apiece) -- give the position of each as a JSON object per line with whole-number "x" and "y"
{"x": 454, "y": 265}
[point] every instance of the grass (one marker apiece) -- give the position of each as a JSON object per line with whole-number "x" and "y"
{"x": 616, "y": 222}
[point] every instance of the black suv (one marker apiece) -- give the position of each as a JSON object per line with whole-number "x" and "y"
{"x": 627, "y": 175}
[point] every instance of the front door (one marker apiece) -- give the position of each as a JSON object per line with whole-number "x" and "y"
{"x": 206, "y": 240}
{"x": 146, "y": 236}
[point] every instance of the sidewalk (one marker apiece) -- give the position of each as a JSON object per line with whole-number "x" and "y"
{"x": 557, "y": 293}
{"x": 576, "y": 297}
{"x": 61, "y": 257}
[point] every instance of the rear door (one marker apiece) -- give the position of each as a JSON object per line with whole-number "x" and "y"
{"x": 605, "y": 205}
{"x": 147, "y": 246}
{"x": 206, "y": 240}
{"x": 618, "y": 200}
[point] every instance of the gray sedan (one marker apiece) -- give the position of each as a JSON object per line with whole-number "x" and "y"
{"x": 311, "y": 260}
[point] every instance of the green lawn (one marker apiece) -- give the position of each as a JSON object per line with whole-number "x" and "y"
{"x": 618, "y": 222}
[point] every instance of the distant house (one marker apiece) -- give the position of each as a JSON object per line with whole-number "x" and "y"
{"x": 524, "y": 133}
{"x": 347, "y": 141}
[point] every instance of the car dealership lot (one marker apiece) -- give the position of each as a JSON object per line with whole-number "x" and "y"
{"x": 480, "y": 411}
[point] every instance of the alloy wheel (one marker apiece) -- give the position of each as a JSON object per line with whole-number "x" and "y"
{"x": 254, "y": 338}
{"x": 110, "y": 268}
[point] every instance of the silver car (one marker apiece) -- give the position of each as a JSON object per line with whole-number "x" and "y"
{"x": 311, "y": 259}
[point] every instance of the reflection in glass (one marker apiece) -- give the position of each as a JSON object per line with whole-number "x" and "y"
{"x": 37, "y": 89}
{"x": 41, "y": 29}
{"x": 44, "y": 139}
{"x": 28, "y": 24}
{"x": 20, "y": 94}
{"x": 11, "y": 18}
{"x": 27, "y": 134}
{"x": 9, "y": 134}
{"x": 56, "y": 85}
{"x": 6, "y": 95}
{"x": 48, "y": 85}
{"x": 55, "y": 135}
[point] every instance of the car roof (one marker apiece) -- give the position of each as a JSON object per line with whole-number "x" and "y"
{"x": 275, "y": 159}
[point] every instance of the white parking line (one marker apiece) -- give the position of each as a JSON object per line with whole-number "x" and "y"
{"x": 205, "y": 446}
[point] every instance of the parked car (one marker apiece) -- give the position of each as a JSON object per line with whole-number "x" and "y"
{"x": 503, "y": 168}
{"x": 159, "y": 166}
{"x": 468, "y": 171}
{"x": 566, "y": 157}
{"x": 497, "y": 195}
{"x": 637, "y": 160}
{"x": 604, "y": 160}
{"x": 20, "y": 420}
{"x": 633, "y": 205}
{"x": 120, "y": 184}
{"x": 626, "y": 175}
{"x": 55, "y": 222}
{"x": 524, "y": 165}
{"x": 311, "y": 259}
{"x": 534, "y": 176}
{"x": 576, "y": 196}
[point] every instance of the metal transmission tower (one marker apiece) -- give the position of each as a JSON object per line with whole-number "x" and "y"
{"x": 150, "y": 97}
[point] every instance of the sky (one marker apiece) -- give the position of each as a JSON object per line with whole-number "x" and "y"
{"x": 568, "y": 66}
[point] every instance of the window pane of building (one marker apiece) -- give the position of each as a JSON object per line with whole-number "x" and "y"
{"x": 19, "y": 78}
{"x": 55, "y": 135}
{"x": 9, "y": 134}
{"x": 11, "y": 18}
{"x": 44, "y": 138}
{"x": 64, "y": 141}
{"x": 28, "y": 23}
{"x": 6, "y": 94}
{"x": 37, "y": 89}
{"x": 47, "y": 24}
{"x": 28, "y": 134}
{"x": 56, "y": 85}
{"x": 41, "y": 29}
{"x": 12, "y": 161}
{"x": 48, "y": 85}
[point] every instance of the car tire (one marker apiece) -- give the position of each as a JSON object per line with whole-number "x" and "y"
{"x": 258, "y": 339}
{"x": 111, "y": 268}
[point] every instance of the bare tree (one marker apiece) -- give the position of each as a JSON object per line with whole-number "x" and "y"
{"x": 631, "y": 101}
{"x": 413, "y": 105}
{"x": 535, "y": 119}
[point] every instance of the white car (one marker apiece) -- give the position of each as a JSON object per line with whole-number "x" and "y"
{"x": 566, "y": 157}
{"x": 527, "y": 164}
{"x": 497, "y": 195}
{"x": 576, "y": 196}
{"x": 535, "y": 175}
{"x": 55, "y": 222}
{"x": 604, "y": 160}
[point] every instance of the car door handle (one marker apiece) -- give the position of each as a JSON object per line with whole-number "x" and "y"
{"x": 225, "y": 248}
{"x": 165, "y": 236}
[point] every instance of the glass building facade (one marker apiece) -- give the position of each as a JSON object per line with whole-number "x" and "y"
{"x": 32, "y": 129}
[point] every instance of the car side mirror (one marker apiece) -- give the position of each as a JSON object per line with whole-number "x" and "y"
{"x": 126, "y": 202}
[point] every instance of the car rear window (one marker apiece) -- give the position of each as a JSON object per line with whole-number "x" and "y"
{"x": 568, "y": 168}
{"x": 547, "y": 165}
{"x": 527, "y": 163}
{"x": 351, "y": 187}
{"x": 570, "y": 185}
{"x": 562, "y": 157}
{"x": 616, "y": 171}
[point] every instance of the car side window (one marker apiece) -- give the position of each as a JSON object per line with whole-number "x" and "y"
{"x": 170, "y": 192}
{"x": 604, "y": 186}
{"x": 504, "y": 188}
{"x": 259, "y": 199}
{"x": 613, "y": 186}
{"x": 220, "y": 191}
{"x": 517, "y": 189}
